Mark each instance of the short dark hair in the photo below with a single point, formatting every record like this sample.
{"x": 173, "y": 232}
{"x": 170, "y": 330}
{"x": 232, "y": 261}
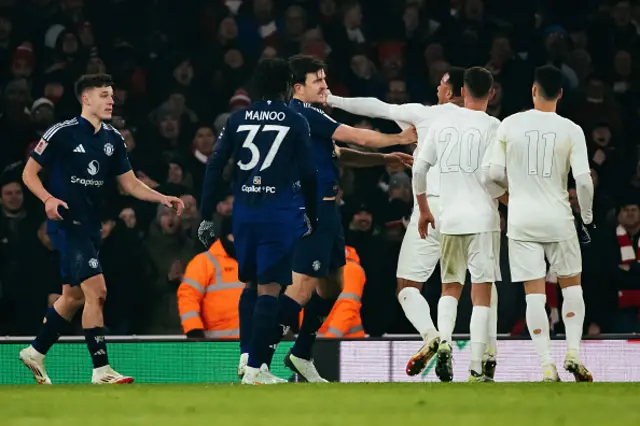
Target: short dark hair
{"x": 456, "y": 79}
{"x": 91, "y": 81}
{"x": 478, "y": 81}
{"x": 301, "y": 65}
{"x": 271, "y": 79}
{"x": 549, "y": 81}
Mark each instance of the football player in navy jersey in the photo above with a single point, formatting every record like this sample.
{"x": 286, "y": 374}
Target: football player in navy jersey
{"x": 273, "y": 161}
{"x": 318, "y": 261}
{"x": 81, "y": 154}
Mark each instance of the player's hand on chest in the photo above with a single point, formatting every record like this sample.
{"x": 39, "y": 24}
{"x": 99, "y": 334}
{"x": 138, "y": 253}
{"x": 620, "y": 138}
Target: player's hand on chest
{"x": 92, "y": 156}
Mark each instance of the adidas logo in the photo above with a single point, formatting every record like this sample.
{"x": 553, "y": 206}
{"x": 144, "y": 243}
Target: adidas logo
{"x": 80, "y": 148}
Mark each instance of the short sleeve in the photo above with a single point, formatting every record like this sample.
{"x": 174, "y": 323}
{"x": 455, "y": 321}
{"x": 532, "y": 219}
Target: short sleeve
{"x": 121, "y": 160}
{"x": 48, "y": 145}
{"x": 322, "y": 126}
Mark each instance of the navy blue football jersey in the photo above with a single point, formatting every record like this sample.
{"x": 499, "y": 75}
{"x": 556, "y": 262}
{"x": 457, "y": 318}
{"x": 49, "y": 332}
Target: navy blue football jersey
{"x": 270, "y": 146}
{"x": 322, "y": 128}
{"x": 79, "y": 161}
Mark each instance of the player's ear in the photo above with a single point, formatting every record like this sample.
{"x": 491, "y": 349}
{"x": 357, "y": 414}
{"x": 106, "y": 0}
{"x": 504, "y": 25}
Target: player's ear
{"x": 492, "y": 93}
{"x": 560, "y": 94}
{"x": 463, "y": 92}
{"x": 534, "y": 91}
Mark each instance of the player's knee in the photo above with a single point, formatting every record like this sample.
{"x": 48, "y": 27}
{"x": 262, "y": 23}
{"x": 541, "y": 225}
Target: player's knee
{"x": 331, "y": 286}
{"x": 404, "y": 283}
{"x": 481, "y": 294}
{"x": 302, "y": 288}
{"x": 452, "y": 289}
{"x": 95, "y": 290}
{"x": 71, "y": 301}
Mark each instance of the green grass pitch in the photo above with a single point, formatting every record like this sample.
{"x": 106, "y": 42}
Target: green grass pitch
{"x": 336, "y": 404}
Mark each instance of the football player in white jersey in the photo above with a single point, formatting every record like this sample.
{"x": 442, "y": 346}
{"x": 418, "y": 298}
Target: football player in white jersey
{"x": 469, "y": 222}
{"x": 532, "y": 156}
{"x": 418, "y": 257}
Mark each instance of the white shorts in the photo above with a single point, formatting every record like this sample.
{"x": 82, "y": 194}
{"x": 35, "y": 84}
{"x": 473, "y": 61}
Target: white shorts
{"x": 526, "y": 259}
{"x": 479, "y": 253}
{"x": 418, "y": 258}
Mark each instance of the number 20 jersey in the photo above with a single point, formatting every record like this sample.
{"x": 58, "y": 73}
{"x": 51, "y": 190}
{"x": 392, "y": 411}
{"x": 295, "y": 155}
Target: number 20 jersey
{"x": 271, "y": 150}
{"x": 458, "y": 142}
{"x": 538, "y": 148}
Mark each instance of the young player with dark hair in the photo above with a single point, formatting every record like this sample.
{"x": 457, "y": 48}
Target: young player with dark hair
{"x": 271, "y": 150}
{"x": 532, "y": 156}
{"x": 318, "y": 261}
{"x": 81, "y": 153}
{"x": 469, "y": 222}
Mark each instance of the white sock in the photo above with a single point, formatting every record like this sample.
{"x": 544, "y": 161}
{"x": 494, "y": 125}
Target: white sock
{"x": 492, "y": 341}
{"x": 447, "y": 313}
{"x": 573, "y": 317}
{"x": 537, "y": 320}
{"x": 101, "y": 370}
{"x": 479, "y": 330}
{"x": 417, "y": 311}
{"x": 35, "y": 353}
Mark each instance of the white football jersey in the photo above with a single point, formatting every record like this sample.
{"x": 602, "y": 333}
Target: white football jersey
{"x": 538, "y": 148}
{"x": 457, "y": 142}
{"x": 423, "y": 117}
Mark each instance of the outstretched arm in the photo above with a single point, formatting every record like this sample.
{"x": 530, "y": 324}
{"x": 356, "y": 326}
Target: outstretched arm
{"x": 355, "y": 158}
{"x": 373, "y": 139}
{"x": 138, "y": 189}
{"x": 405, "y": 115}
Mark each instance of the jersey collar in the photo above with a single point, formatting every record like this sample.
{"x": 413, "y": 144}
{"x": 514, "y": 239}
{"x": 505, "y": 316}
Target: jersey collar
{"x": 86, "y": 126}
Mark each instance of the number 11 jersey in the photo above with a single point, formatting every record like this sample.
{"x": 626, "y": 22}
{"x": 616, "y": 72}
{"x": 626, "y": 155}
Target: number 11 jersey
{"x": 538, "y": 149}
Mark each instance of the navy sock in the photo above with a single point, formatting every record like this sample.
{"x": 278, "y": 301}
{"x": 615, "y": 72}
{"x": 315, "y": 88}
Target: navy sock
{"x": 288, "y": 312}
{"x": 50, "y": 332}
{"x": 315, "y": 312}
{"x": 97, "y": 346}
{"x": 265, "y": 321}
{"x": 246, "y": 308}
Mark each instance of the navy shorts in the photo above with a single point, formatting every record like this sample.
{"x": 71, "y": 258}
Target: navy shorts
{"x": 78, "y": 249}
{"x": 264, "y": 251}
{"x": 323, "y": 251}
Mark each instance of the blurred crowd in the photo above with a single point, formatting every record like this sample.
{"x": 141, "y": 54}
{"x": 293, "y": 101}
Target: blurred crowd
{"x": 180, "y": 68}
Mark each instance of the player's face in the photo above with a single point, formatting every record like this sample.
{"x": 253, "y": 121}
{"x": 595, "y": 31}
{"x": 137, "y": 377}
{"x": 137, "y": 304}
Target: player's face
{"x": 99, "y": 101}
{"x": 315, "y": 88}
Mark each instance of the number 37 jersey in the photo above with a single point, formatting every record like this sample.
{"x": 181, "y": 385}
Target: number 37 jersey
{"x": 538, "y": 149}
{"x": 458, "y": 142}
{"x": 269, "y": 145}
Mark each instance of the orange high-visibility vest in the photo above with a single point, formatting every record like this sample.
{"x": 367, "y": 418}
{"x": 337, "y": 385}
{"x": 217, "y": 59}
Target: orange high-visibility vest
{"x": 209, "y": 294}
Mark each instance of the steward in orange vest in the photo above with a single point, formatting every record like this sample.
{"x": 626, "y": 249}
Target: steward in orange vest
{"x": 209, "y": 293}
